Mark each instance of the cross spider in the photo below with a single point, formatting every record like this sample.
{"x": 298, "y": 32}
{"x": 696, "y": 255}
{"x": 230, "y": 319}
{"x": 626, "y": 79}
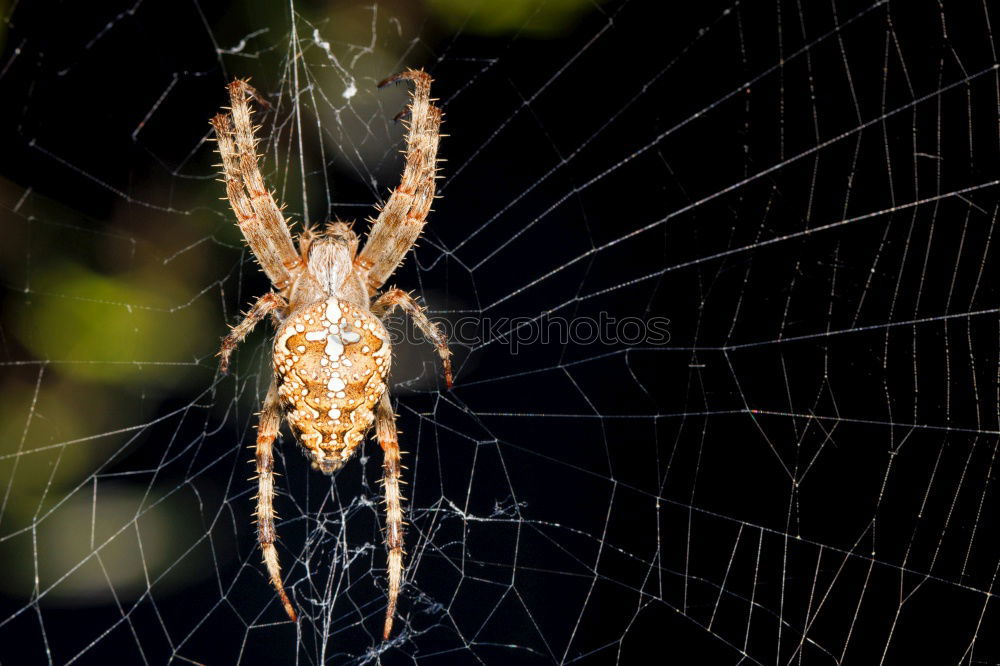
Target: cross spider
{"x": 331, "y": 351}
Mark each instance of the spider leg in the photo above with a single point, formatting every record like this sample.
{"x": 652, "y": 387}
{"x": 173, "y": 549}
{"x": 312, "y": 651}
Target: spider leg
{"x": 399, "y": 298}
{"x": 258, "y": 215}
{"x": 404, "y": 214}
{"x": 385, "y": 428}
{"x": 265, "y": 305}
{"x": 267, "y": 431}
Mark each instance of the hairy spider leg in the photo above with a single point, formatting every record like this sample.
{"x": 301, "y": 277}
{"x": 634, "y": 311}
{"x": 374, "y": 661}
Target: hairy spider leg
{"x": 258, "y": 215}
{"x": 265, "y": 305}
{"x": 402, "y": 217}
{"x": 385, "y": 428}
{"x": 394, "y": 298}
{"x": 267, "y": 431}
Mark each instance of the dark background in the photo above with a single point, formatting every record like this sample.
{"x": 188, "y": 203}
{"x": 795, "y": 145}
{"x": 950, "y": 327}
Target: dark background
{"x": 802, "y": 474}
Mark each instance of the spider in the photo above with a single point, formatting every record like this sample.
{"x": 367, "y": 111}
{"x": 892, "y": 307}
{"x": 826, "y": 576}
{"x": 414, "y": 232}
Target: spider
{"x": 331, "y": 351}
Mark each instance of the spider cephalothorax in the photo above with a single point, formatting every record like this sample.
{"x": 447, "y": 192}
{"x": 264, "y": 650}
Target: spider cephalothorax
{"x": 331, "y": 352}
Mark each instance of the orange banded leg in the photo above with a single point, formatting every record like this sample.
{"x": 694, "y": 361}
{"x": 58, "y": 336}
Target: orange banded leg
{"x": 385, "y": 427}
{"x": 402, "y": 217}
{"x": 268, "y": 214}
{"x": 267, "y": 431}
{"x": 264, "y": 306}
{"x": 265, "y": 231}
{"x": 399, "y": 298}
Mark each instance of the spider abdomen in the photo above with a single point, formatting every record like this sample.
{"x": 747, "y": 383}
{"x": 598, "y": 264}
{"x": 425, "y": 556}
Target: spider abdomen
{"x": 331, "y": 360}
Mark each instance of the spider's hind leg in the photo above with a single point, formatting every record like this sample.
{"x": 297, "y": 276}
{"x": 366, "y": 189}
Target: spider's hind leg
{"x": 385, "y": 428}
{"x": 267, "y": 431}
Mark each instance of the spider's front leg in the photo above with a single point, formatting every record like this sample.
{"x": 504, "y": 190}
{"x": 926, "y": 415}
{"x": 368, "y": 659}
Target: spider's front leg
{"x": 257, "y": 214}
{"x": 399, "y": 298}
{"x": 265, "y": 305}
{"x": 385, "y": 428}
{"x": 404, "y": 214}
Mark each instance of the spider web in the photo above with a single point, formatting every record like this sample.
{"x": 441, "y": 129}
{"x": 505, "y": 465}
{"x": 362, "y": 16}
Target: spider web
{"x": 800, "y": 471}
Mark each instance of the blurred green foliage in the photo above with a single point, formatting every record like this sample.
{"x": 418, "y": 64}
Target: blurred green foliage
{"x": 94, "y": 542}
{"x": 534, "y": 18}
{"x": 114, "y": 329}
{"x": 101, "y": 320}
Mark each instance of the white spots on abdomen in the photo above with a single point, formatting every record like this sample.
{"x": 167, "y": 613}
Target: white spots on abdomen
{"x": 333, "y": 313}
{"x": 334, "y": 347}
{"x": 328, "y": 407}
